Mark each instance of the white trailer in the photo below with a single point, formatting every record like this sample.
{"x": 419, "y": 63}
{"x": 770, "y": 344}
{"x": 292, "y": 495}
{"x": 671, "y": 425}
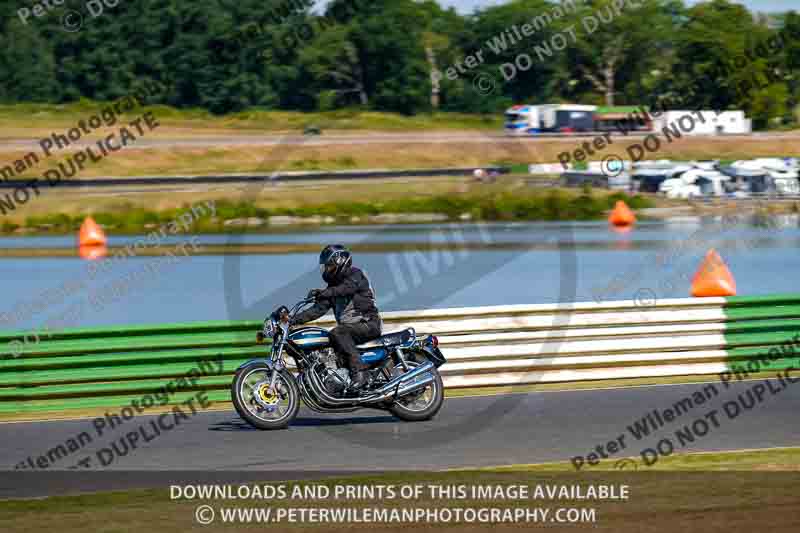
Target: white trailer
{"x": 704, "y": 122}
{"x": 567, "y": 117}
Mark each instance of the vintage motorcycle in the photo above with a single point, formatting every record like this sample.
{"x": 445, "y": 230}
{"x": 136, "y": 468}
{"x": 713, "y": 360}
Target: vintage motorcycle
{"x": 402, "y": 370}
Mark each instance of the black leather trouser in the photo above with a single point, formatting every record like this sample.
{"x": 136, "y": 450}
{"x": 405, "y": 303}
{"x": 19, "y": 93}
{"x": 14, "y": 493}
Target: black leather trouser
{"x": 344, "y": 339}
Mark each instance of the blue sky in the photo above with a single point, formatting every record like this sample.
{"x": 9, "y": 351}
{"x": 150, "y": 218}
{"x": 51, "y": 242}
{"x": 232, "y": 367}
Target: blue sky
{"x": 466, "y": 6}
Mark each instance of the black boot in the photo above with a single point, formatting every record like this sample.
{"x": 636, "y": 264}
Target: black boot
{"x": 358, "y": 379}
{"x": 358, "y": 376}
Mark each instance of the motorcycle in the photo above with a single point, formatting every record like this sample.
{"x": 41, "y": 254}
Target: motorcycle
{"x": 401, "y": 368}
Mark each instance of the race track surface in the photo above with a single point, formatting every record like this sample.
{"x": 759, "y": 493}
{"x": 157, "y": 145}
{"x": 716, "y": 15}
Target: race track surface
{"x": 472, "y": 431}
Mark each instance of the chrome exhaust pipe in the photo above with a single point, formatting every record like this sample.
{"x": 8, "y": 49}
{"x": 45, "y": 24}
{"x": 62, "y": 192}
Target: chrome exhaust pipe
{"x": 314, "y": 403}
{"x": 319, "y": 390}
{"x": 404, "y": 389}
{"x": 403, "y": 379}
{"x": 399, "y": 386}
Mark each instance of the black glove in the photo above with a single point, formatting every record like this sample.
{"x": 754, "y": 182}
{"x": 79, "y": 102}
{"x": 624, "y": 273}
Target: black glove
{"x": 279, "y": 313}
{"x": 314, "y": 294}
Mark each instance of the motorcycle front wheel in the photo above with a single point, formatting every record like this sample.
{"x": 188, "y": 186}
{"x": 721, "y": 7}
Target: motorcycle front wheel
{"x": 259, "y": 406}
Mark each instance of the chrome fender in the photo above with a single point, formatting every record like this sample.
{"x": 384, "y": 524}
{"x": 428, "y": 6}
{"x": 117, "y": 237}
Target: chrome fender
{"x": 254, "y": 362}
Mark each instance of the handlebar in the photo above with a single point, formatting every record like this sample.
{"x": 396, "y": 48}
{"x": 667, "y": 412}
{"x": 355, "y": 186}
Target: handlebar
{"x": 299, "y": 305}
{"x": 288, "y": 313}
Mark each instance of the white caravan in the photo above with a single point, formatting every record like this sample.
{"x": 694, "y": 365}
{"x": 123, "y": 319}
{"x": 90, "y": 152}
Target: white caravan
{"x": 784, "y": 173}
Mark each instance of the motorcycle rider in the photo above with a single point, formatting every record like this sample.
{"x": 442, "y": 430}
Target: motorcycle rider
{"x": 350, "y": 294}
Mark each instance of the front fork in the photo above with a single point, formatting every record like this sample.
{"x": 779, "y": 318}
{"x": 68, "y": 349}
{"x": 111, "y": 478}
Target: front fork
{"x": 277, "y": 361}
{"x": 272, "y": 378}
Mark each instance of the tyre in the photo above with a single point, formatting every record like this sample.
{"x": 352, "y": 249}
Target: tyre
{"x": 258, "y": 406}
{"x": 423, "y": 404}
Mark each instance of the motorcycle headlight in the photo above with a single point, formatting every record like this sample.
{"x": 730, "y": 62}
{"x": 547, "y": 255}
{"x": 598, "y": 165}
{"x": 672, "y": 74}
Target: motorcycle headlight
{"x": 267, "y": 332}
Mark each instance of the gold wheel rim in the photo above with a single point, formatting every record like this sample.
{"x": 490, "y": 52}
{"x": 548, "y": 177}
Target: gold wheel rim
{"x": 266, "y": 396}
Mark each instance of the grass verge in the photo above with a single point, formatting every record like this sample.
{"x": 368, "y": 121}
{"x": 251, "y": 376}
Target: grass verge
{"x": 773, "y": 459}
{"x": 507, "y": 200}
{"x": 170, "y": 159}
{"x": 40, "y": 120}
{"x": 676, "y": 500}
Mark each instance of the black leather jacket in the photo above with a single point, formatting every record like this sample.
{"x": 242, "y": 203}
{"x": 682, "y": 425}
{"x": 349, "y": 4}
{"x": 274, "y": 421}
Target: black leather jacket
{"x": 351, "y": 297}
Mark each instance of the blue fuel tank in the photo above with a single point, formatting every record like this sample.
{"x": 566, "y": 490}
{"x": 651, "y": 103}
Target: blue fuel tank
{"x": 310, "y": 338}
{"x": 314, "y": 338}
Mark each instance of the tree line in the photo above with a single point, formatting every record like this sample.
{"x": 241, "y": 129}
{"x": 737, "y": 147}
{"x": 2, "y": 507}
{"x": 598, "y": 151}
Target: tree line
{"x": 393, "y": 55}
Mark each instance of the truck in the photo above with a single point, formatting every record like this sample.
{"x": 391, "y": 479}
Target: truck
{"x": 549, "y": 118}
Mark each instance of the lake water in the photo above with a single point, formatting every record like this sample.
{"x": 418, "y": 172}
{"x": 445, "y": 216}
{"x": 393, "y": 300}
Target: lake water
{"x": 506, "y": 264}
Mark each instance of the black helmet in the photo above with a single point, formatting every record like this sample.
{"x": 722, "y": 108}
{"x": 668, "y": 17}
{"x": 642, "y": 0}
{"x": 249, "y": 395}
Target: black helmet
{"x": 334, "y": 259}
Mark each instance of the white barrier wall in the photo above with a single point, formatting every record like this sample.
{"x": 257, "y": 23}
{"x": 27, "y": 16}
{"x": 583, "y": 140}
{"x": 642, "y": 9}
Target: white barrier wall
{"x": 523, "y": 344}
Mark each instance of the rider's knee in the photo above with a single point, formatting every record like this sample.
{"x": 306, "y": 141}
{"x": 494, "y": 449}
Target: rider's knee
{"x": 337, "y": 334}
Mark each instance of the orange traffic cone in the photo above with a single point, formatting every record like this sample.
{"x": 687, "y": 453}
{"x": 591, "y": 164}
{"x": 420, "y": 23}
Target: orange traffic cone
{"x": 92, "y": 252}
{"x": 621, "y": 215}
{"x": 713, "y": 277}
{"x": 91, "y": 234}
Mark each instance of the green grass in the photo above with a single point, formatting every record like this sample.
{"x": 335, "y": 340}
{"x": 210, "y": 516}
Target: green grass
{"x": 738, "y": 460}
{"x": 32, "y": 116}
{"x": 488, "y": 206}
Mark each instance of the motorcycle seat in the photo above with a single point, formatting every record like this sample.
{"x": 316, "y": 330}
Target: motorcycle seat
{"x": 402, "y": 337}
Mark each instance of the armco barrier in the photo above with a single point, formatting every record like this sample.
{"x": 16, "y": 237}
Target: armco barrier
{"x": 485, "y": 346}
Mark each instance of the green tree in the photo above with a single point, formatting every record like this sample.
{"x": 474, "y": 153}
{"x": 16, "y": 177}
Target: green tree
{"x": 790, "y": 62}
{"x": 617, "y": 51}
{"x": 723, "y": 62}
{"x": 334, "y": 62}
{"x": 27, "y": 65}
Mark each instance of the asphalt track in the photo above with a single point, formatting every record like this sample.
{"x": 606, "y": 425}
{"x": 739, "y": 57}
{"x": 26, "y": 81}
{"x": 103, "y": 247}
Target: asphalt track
{"x": 470, "y": 431}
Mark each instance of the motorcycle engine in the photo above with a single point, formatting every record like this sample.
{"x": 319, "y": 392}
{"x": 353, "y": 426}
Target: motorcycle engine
{"x": 334, "y": 378}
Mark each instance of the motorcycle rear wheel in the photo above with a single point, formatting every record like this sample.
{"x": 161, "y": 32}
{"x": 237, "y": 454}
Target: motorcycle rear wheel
{"x": 421, "y": 405}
